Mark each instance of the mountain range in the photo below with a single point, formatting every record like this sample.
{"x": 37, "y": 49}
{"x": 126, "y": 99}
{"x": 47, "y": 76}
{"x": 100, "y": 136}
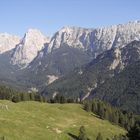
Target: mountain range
{"x": 74, "y": 62}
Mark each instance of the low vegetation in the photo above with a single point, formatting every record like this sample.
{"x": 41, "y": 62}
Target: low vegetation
{"x": 31, "y": 120}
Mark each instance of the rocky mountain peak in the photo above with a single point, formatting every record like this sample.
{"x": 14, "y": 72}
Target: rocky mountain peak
{"x": 8, "y": 42}
{"x": 96, "y": 40}
{"x": 75, "y": 37}
{"x": 34, "y": 34}
{"x": 32, "y": 42}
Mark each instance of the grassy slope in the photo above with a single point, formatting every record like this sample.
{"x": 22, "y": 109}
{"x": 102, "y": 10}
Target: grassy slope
{"x": 41, "y": 121}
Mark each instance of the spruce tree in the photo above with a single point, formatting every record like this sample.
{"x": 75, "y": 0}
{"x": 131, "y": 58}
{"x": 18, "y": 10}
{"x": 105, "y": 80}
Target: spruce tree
{"x": 23, "y": 97}
{"x": 16, "y": 98}
{"x": 94, "y": 107}
{"x": 57, "y": 99}
{"x": 82, "y": 134}
{"x": 134, "y": 133}
{"x": 40, "y": 98}
{"x": 87, "y": 107}
{"x": 44, "y": 99}
{"x": 101, "y": 110}
{"x": 32, "y": 96}
{"x": 62, "y": 99}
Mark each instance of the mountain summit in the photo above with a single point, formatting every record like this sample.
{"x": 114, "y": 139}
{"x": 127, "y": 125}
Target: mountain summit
{"x": 8, "y": 42}
{"x": 96, "y": 40}
{"x": 32, "y": 42}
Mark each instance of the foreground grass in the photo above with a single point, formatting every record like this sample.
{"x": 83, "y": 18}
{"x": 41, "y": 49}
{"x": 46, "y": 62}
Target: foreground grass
{"x": 42, "y": 121}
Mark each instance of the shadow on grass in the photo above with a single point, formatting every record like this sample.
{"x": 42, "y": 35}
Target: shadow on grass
{"x": 92, "y": 114}
{"x": 73, "y": 136}
{"x": 96, "y": 116}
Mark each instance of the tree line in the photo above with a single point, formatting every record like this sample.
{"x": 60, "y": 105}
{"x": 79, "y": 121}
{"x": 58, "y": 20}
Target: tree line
{"x": 132, "y": 134}
{"x": 7, "y": 93}
{"x": 62, "y": 99}
{"x": 113, "y": 114}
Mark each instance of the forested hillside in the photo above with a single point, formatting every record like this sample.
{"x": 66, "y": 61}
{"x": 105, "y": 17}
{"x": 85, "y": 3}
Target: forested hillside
{"x": 123, "y": 90}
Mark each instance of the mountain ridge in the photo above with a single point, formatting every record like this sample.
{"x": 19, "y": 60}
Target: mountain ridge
{"x": 87, "y": 44}
{"x": 32, "y": 42}
{"x": 92, "y": 40}
{"x": 40, "y": 62}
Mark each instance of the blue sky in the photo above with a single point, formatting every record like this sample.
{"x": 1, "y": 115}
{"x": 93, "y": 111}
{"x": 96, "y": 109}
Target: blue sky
{"x": 16, "y": 16}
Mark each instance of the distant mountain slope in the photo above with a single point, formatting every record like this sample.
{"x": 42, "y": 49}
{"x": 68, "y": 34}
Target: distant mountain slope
{"x": 11, "y": 75}
{"x": 82, "y": 82}
{"x": 42, "y": 121}
{"x": 123, "y": 89}
{"x": 16, "y": 54}
{"x": 55, "y": 64}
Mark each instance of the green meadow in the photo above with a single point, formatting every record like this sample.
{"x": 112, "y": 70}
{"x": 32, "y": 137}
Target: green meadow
{"x": 43, "y": 121}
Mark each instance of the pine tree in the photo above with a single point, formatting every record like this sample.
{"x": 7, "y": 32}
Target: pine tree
{"x": 32, "y": 96}
{"x": 134, "y": 133}
{"x": 44, "y": 99}
{"x": 106, "y": 115}
{"x": 24, "y": 97}
{"x": 87, "y": 107}
{"x": 57, "y": 99}
{"x": 40, "y": 98}
{"x": 16, "y": 98}
{"x": 94, "y": 107}
{"x": 82, "y": 134}
{"x": 101, "y": 110}
{"x": 62, "y": 99}
{"x": 115, "y": 117}
{"x": 121, "y": 119}
{"x": 70, "y": 100}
